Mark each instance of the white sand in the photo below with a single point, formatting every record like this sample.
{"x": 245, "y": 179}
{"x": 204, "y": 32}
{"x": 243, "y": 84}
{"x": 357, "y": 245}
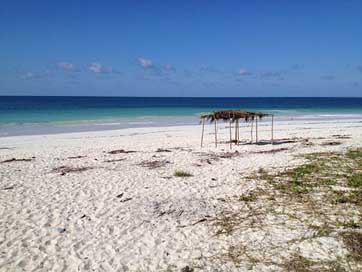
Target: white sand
{"x": 76, "y": 222}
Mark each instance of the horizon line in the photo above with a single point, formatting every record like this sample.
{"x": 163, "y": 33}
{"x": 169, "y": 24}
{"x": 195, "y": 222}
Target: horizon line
{"x": 96, "y": 96}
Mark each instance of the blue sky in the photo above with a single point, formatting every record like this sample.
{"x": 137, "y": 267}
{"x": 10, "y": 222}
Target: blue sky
{"x": 181, "y": 48}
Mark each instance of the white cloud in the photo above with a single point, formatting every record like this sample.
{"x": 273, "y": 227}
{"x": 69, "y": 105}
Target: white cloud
{"x": 28, "y": 75}
{"x": 95, "y": 67}
{"x": 98, "y": 68}
{"x": 243, "y": 72}
{"x": 66, "y": 66}
{"x": 145, "y": 63}
{"x": 36, "y": 75}
{"x": 170, "y": 68}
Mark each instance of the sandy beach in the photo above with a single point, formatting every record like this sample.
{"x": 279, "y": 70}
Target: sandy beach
{"x": 119, "y": 201}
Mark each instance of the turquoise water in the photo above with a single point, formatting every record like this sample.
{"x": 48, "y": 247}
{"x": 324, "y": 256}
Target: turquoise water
{"x": 91, "y": 115}
{"x": 35, "y": 110}
{"x": 35, "y": 115}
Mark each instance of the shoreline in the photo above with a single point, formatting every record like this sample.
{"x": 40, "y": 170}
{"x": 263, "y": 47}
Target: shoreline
{"x": 9, "y": 130}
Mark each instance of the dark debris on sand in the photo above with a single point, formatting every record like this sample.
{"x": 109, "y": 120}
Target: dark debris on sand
{"x": 331, "y": 143}
{"x": 163, "y": 150}
{"x": 17, "y": 160}
{"x": 69, "y": 169}
{"x": 76, "y": 157}
{"x": 344, "y": 136}
{"x": 154, "y": 164}
{"x": 8, "y": 188}
{"x": 121, "y": 151}
{"x": 116, "y": 160}
{"x": 210, "y": 157}
{"x": 272, "y": 151}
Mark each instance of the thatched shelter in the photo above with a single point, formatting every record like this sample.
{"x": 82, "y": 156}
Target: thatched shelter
{"x": 234, "y": 116}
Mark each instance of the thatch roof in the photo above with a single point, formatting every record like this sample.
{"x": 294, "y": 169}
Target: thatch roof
{"x": 226, "y": 115}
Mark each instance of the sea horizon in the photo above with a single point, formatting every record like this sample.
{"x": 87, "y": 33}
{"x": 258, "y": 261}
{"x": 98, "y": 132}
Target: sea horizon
{"x": 181, "y": 136}
{"x": 24, "y": 115}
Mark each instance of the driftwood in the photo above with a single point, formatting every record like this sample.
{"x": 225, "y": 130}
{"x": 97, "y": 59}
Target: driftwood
{"x": 116, "y": 160}
{"x": 272, "y": 151}
{"x": 338, "y": 136}
{"x": 126, "y": 199}
{"x": 69, "y": 169}
{"x": 76, "y": 157}
{"x": 154, "y": 164}
{"x": 17, "y": 160}
{"x": 121, "y": 151}
{"x": 163, "y": 150}
{"x": 199, "y": 221}
{"x": 9, "y": 188}
{"x": 331, "y": 143}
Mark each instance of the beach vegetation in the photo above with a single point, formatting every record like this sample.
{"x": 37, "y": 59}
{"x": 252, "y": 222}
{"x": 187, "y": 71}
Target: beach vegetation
{"x": 354, "y": 153}
{"x": 321, "y": 170}
{"x": 353, "y": 242}
{"x": 355, "y": 180}
{"x": 263, "y": 174}
{"x": 227, "y": 223}
{"x": 323, "y": 195}
{"x": 298, "y": 263}
{"x": 351, "y": 224}
{"x": 248, "y": 198}
{"x": 182, "y": 174}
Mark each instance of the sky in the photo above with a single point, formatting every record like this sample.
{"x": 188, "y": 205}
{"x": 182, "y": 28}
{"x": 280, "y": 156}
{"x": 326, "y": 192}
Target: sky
{"x": 181, "y": 48}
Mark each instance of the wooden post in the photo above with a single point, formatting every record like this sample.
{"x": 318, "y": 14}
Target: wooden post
{"x": 256, "y": 130}
{"x": 215, "y": 133}
{"x": 272, "y": 132}
{"x": 202, "y": 134}
{"x": 230, "y": 132}
{"x": 251, "y": 132}
{"x": 236, "y": 131}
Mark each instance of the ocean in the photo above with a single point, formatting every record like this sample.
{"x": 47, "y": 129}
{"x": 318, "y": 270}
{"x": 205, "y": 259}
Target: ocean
{"x": 20, "y": 115}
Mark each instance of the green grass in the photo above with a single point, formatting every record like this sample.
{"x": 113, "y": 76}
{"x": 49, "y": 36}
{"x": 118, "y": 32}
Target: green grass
{"x": 341, "y": 198}
{"x": 248, "y": 198}
{"x": 292, "y": 187}
{"x": 306, "y": 169}
{"x": 351, "y": 224}
{"x": 182, "y": 174}
{"x": 322, "y": 230}
{"x": 354, "y": 153}
{"x": 329, "y": 182}
{"x": 307, "y": 194}
{"x": 354, "y": 197}
{"x": 263, "y": 174}
{"x": 355, "y": 180}
{"x": 299, "y": 180}
{"x": 322, "y": 170}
